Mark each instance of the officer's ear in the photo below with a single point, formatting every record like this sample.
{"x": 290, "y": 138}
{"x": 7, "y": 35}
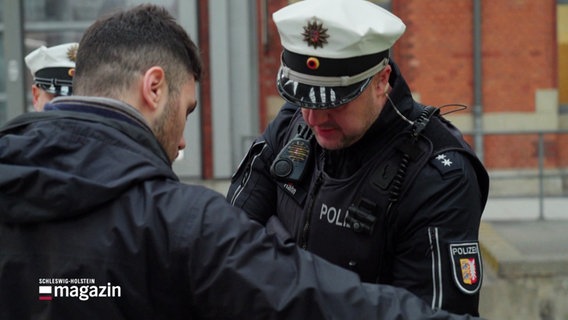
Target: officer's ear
{"x": 380, "y": 81}
{"x": 35, "y": 96}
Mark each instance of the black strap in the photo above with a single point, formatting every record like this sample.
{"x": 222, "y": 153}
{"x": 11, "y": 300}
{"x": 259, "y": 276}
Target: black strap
{"x": 377, "y": 199}
{"x": 391, "y": 176}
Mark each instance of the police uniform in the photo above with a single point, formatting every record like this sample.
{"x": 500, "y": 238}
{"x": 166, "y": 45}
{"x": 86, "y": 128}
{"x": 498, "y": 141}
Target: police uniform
{"x": 400, "y": 206}
{"x": 53, "y": 68}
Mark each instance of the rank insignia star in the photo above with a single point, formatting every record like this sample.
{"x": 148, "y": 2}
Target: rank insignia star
{"x": 444, "y": 160}
{"x": 315, "y": 34}
{"x": 448, "y": 163}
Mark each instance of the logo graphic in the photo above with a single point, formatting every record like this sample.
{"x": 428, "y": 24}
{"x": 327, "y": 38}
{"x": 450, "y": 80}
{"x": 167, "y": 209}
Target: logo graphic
{"x": 82, "y": 289}
{"x": 45, "y": 293}
{"x": 466, "y": 266}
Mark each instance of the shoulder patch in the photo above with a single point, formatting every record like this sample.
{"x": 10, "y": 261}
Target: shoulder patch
{"x": 466, "y": 266}
{"x": 448, "y": 163}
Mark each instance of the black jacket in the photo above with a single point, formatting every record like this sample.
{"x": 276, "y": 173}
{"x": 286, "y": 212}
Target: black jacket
{"x": 94, "y": 224}
{"x": 395, "y": 208}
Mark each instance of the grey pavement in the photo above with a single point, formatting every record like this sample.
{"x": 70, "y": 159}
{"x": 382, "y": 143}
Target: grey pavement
{"x": 526, "y": 208}
{"x": 525, "y": 269}
{"x": 523, "y": 236}
{"x": 538, "y": 239}
{"x": 524, "y": 247}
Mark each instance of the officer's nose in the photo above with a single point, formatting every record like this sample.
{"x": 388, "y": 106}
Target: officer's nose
{"x": 314, "y": 117}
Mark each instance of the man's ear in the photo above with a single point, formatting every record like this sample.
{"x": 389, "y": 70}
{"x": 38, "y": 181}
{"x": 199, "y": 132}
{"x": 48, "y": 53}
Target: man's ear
{"x": 154, "y": 87}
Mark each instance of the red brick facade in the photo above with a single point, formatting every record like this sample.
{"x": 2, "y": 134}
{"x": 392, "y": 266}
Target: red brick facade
{"x": 436, "y": 57}
{"x": 518, "y": 51}
{"x": 269, "y": 58}
{"x": 519, "y": 59}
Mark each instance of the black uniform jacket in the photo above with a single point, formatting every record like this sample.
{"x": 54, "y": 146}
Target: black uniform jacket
{"x": 94, "y": 224}
{"x": 421, "y": 200}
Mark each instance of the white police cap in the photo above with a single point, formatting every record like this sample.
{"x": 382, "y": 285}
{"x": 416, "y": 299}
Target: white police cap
{"x": 332, "y": 48}
{"x": 53, "y": 68}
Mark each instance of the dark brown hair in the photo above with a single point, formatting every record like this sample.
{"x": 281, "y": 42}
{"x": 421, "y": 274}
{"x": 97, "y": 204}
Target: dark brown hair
{"x": 116, "y": 49}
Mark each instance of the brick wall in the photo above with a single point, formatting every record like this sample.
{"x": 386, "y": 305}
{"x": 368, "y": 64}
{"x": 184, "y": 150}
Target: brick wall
{"x": 519, "y": 58}
{"x": 518, "y": 51}
{"x": 435, "y": 54}
{"x": 269, "y": 60}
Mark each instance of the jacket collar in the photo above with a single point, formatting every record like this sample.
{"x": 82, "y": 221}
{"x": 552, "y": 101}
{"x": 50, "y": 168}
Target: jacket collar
{"x": 106, "y": 107}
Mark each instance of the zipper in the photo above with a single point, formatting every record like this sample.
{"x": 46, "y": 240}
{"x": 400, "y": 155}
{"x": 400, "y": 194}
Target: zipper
{"x": 241, "y": 185}
{"x": 310, "y": 207}
{"x": 246, "y": 174}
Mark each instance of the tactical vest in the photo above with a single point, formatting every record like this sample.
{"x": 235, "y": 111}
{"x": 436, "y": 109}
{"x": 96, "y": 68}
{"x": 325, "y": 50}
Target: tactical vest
{"x": 353, "y": 217}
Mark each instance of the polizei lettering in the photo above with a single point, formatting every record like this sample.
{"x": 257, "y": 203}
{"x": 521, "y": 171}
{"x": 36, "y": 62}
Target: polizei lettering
{"x": 464, "y": 250}
{"x": 334, "y": 216}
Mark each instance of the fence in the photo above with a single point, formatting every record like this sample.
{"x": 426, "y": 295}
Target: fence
{"x": 527, "y": 164}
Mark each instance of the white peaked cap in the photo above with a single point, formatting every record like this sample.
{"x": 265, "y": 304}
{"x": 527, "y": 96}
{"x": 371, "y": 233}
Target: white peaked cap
{"x": 60, "y": 56}
{"x": 332, "y": 48}
{"x": 353, "y": 27}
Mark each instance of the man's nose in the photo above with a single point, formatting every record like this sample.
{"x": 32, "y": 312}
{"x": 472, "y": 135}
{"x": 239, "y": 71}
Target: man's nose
{"x": 181, "y": 144}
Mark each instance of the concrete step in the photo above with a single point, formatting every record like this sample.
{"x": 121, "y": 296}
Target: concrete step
{"x": 525, "y": 270}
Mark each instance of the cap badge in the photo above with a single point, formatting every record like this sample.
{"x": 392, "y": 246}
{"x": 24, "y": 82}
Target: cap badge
{"x": 313, "y": 63}
{"x": 315, "y": 34}
{"x": 72, "y": 53}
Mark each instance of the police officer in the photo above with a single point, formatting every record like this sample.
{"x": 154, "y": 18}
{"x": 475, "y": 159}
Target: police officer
{"x": 356, "y": 171}
{"x": 52, "y": 69}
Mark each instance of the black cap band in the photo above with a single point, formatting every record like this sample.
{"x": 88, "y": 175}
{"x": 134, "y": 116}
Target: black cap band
{"x": 57, "y": 81}
{"x": 332, "y": 67}
{"x": 54, "y": 76}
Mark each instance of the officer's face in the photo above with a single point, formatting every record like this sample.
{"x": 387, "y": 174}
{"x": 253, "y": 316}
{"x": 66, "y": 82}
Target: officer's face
{"x": 341, "y": 127}
{"x": 171, "y": 123}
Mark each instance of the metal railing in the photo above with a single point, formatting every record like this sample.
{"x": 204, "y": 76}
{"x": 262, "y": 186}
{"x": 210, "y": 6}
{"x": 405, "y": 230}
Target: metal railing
{"x": 541, "y": 155}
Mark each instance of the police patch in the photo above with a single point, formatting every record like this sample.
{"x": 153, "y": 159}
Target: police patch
{"x": 466, "y": 266}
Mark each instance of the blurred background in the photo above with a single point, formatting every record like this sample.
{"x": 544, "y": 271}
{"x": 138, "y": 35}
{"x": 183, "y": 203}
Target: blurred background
{"x": 506, "y": 60}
